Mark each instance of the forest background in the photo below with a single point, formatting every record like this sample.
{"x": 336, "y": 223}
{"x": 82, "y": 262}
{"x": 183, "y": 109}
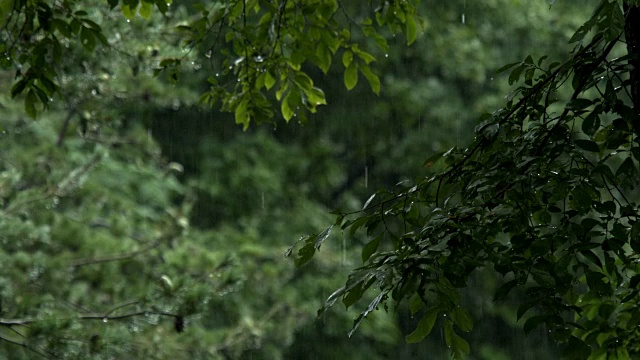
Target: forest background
{"x": 136, "y": 219}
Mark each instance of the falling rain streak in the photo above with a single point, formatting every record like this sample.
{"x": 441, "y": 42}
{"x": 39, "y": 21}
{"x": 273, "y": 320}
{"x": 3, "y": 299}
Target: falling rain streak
{"x": 464, "y": 9}
{"x": 366, "y": 177}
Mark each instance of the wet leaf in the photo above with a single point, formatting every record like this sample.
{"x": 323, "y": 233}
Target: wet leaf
{"x": 351, "y": 76}
{"x": 587, "y": 145}
{"x": 370, "y": 248}
{"x": 425, "y": 325}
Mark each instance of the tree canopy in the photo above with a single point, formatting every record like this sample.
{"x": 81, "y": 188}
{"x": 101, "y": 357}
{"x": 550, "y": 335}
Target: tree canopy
{"x": 543, "y": 196}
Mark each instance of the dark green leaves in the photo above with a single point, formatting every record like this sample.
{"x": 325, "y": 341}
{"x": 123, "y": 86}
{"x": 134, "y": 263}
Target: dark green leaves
{"x": 370, "y": 248}
{"x": 587, "y": 145}
{"x": 576, "y": 349}
{"x": 425, "y": 325}
{"x": 457, "y": 344}
{"x": 311, "y": 243}
{"x": 591, "y": 123}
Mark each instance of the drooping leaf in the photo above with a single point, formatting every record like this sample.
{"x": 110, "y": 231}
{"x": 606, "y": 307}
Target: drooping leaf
{"x": 425, "y": 325}
{"x": 462, "y": 319}
{"x": 370, "y": 248}
{"x": 351, "y": 76}
{"x": 587, "y": 145}
{"x": 373, "y": 305}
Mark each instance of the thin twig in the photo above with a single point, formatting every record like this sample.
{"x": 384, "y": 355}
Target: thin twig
{"x": 117, "y": 257}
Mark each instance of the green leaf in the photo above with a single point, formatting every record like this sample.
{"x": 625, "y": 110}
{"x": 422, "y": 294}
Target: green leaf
{"x": 622, "y": 354}
{"x": 587, "y": 145}
{"x": 87, "y": 38}
{"x": 351, "y": 76}
{"x": 433, "y": 159}
{"x": 305, "y": 254}
{"x": 303, "y": 81}
{"x": 320, "y": 238}
{"x": 372, "y": 306}
{"x": 457, "y": 344}
{"x": 515, "y": 74}
{"x": 145, "y": 10}
{"x": 635, "y": 238}
{"x": 424, "y": 326}
{"x": 30, "y": 104}
{"x": 504, "y": 290}
{"x": 534, "y": 322}
{"x": 462, "y": 319}
{"x": 242, "y": 114}
{"x": 163, "y": 5}
{"x": 576, "y": 349}
{"x": 526, "y": 306}
{"x": 416, "y": 304}
{"x": 373, "y": 79}
{"x": 19, "y": 87}
{"x": 129, "y": 11}
{"x": 370, "y": 248}
{"x": 581, "y": 199}
{"x": 411, "y": 30}
{"x": 591, "y": 123}
{"x": 323, "y": 57}
{"x": 315, "y": 96}
{"x": 347, "y": 58}
{"x": 287, "y": 112}
{"x": 596, "y": 283}
{"x": 627, "y": 168}
{"x": 579, "y": 104}
{"x": 589, "y": 254}
{"x": 507, "y": 67}
{"x": 269, "y": 80}
{"x": 353, "y": 295}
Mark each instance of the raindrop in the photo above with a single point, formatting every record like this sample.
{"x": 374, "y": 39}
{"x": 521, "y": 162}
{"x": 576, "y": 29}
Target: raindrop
{"x": 105, "y": 319}
{"x": 386, "y": 55}
{"x": 217, "y": 75}
{"x": 128, "y": 20}
{"x": 258, "y": 59}
{"x": 208, "y": 54}
{"x": 263, "y": 200}
{"x": 463, "y": 19}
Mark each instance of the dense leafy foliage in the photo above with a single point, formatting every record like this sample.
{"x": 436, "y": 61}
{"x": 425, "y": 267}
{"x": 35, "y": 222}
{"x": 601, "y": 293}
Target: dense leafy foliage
{"x": 544, "y": 195}
{"x": 124, "y": 202}
{"x": 263, "y": 51}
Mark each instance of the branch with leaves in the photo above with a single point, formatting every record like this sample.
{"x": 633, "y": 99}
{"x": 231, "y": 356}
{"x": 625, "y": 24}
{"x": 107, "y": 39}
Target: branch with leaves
{"x": 535, "y": 197}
